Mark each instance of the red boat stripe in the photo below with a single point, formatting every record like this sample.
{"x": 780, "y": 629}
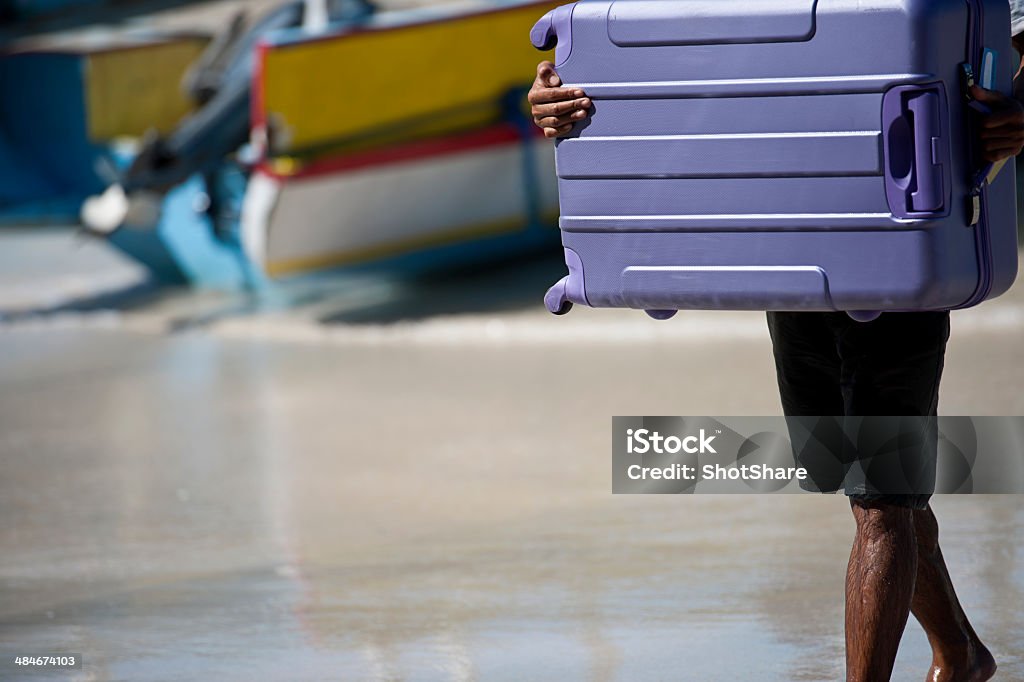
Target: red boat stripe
{"x": 502, "y": 134}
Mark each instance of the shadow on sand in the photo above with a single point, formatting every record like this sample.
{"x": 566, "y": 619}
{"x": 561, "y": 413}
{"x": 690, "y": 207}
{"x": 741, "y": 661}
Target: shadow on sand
{"x": 515, "y": 284}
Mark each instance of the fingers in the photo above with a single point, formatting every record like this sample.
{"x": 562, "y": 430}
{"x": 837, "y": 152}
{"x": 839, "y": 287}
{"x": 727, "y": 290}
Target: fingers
{"x": 547, "y": 76}
{"x": 1000, "y": 143}
{"x": 984, "y": 95}
{"x": 560, "y": 108}
{"x": 555, "y": 132}
{"x": 997, "y": 155}
{"x": 999, "y": 151}
{"x": 1003, "y": 140}
{"x": 549, "y": 95}
{"x": 1005, "y": 136}
{"x": 1002, "y": 130}
{"x": 1010, "y": 117}
{"x": 558, "y": 121}
{"x": 558, "y": 118}
{"x": 555, "y": 108}
{"x": 1006, "y": 112}
{"x": 553, "y": 126}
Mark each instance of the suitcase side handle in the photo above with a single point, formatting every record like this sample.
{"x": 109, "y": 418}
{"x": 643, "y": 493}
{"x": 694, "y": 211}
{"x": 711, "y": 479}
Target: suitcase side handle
{"x": 916, "y": 150}
{"x": 924, "y": 109}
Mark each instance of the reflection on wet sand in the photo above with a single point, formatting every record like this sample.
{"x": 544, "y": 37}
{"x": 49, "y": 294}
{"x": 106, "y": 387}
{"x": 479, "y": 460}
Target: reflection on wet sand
{"x": 192, "y": 508}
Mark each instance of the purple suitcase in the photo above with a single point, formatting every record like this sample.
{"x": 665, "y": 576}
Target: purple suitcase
{"x": 780, "y": 155}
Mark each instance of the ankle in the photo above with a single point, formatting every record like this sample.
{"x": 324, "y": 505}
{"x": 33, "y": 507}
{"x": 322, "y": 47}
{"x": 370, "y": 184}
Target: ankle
{"x": 954, "y": 647}
{"x": 977, "y": 666}
{"x": 959, "y": 654}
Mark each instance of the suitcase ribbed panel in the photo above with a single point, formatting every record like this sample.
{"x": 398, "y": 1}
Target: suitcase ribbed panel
{"x": 722, "y": 155}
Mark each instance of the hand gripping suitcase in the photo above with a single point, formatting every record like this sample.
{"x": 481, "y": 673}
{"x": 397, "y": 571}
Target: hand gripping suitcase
{"x": 781, "y": 155}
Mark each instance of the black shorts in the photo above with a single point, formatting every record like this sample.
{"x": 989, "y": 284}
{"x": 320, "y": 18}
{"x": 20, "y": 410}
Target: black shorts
{"x": 833, "y": 370}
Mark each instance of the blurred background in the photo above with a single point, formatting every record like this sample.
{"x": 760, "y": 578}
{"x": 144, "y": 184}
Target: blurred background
{"x": 279, "y": 399}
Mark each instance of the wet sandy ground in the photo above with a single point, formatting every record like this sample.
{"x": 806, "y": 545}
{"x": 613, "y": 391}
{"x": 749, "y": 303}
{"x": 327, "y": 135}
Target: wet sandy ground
{"x": 387, "y": 481}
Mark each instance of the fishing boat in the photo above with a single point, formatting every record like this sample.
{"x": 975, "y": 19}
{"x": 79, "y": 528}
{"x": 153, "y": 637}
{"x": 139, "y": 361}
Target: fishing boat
{"x": 68, "y": 98}
{"x": 403, "y": 139}
{"x": 397, "y": 140}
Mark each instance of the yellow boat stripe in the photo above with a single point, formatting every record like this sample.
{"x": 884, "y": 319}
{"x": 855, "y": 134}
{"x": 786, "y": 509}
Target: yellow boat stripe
{"x": 320, "y": 91}
{"x": 132, "y": 89}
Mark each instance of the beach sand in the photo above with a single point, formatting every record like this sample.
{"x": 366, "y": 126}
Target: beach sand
{"x": 381, "y": 481}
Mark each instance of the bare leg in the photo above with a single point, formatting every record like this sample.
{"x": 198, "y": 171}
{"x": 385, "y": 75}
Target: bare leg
{"x": 957, "y": 653}
{"x": 879, "y": 588}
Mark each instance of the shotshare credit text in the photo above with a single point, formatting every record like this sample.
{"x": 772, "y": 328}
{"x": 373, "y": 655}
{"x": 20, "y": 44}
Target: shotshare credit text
{"x": 642, "y": 441}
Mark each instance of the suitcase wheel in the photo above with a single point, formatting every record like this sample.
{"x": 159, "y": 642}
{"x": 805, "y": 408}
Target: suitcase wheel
{"x": 661, "y": 314}
{"x": 556, "y": 300}
{"x": 864, "y": 315}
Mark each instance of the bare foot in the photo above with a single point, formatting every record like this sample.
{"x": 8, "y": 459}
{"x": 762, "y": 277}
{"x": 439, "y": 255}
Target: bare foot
{"x": 978, "y": 668}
